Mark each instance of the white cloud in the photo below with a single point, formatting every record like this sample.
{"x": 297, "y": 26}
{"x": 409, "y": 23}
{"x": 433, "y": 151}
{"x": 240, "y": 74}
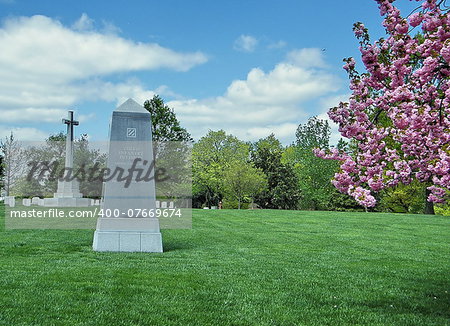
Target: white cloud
{"x": 85, "y": 117}
{"x": 245, "y": 43}
{"x": 84, "y": 23}
{"x": 46, "y": 67}
{"x": 22, "y": 134}
{"x": 283, "y": 131}
{"x": 277, "y": 45}
{"x": 326, "y": 104}
{"x": 309, "y": 57}
{"x": 33, "y": 115}
{"x": 110, "y": 28}
{"x": 40, "y": 45}
{"x": 265, "y": 102}
{"x": 138, "y": 94}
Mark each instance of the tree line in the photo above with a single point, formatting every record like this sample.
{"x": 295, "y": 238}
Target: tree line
{"x": 233, "y": 173}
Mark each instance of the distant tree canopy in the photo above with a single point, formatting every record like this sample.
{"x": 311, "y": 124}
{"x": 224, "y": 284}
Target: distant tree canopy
{"x": 314, "y": 173}
{"x": 165, "y": 125}
{"x": 211, "y": 156}
{"x": 283, "y": 190}
{"x": 12, "y": 162}
{"x": 2, "y": 170}
{"x": 52, "y": 154}
{"x": 242, "y": 180}
{"x": 315, "y": 133}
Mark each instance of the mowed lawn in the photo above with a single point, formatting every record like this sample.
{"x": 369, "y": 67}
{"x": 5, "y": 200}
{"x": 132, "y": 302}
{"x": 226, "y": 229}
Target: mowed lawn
{"x": 237, "y": 268}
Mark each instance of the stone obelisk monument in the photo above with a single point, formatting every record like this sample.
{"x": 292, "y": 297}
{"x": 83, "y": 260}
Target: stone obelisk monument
{"x": 68, "y": 191}
{"x": 127, "y": 222}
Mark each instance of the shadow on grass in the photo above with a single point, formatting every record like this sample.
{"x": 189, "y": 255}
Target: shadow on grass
{"x": 176, "y": 245}
{"x": 428, "y": 298}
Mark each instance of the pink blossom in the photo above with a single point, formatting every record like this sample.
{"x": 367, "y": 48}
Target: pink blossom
{"x": 399, "y": 112}
{"x": 350, "y": 64}
{"x": 445, "y": 52}
{"x": 431, "y": 24}
{"x": 362, "y": 196}
{"x": 359, "y": 29}
{"x": 437, "y": 194}
{"x": 376, "y": 184}
{"x": 401, "y": 28}
{"x": 415, "y": 19}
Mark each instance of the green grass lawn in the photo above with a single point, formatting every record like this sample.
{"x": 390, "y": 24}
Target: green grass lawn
{"x": 236, "y": 268}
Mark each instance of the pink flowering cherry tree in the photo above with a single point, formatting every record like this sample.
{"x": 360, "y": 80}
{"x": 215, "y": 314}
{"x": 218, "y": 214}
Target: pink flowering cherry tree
{"x": 398, "y": 114}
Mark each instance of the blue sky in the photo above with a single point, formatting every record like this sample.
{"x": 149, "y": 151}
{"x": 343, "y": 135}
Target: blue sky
{"x": 248, "y": 67}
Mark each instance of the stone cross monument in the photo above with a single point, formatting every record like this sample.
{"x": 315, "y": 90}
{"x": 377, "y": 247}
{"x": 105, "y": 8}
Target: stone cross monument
{"x": 128, "y": 212}
{"x": 69, "y": 189}
{"x": 69, "y": 139}
{"x": 68, "y": 193}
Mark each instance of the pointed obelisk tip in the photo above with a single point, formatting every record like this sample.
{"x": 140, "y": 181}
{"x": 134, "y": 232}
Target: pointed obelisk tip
{"x": 130, "y": 105}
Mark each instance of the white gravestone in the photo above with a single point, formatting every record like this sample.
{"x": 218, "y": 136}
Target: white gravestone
{"x": 26, "y": 202}
{"x": 11, "y": 201}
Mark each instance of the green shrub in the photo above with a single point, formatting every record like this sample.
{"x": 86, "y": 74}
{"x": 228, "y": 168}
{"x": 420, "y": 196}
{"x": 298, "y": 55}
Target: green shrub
{"x": 233, "y": 204}
{"x": 442, "y": 210}
{"x": 403, "y": 199}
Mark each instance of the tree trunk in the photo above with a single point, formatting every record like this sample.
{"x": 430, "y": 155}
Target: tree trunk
{"x": 429, "y": 206}
{"x": 8, "y": 181}
{"x": 239, "y": 203}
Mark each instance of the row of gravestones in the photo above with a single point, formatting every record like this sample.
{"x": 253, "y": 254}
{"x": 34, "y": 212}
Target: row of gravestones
{"x": 11, "y": 202}
{"x": 164, "y": 204}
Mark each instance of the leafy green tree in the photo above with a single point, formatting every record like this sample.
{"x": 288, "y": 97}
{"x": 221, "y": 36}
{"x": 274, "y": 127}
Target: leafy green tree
{"x": 242, "y": 179}
{"x": 86, "y": 158}
{"x": 2, "y": 171}
{"x": 443, "y": 209}
{"x": 283, "y": 185}
{"x": 175, "y": 159}
{"x": 13, "y": 162}
{"x": 343, "y": 202}
{"x": 314, "y": 173}
{"x": 52, "y": 153}
{"x": 172, "y": 149}
{"x": 29, "y": 188}
{"x": 403, "y": 198}
{"x": 315, "y": 133}
{"x": 165, "y": 125}
{"x": 211, "y": 155}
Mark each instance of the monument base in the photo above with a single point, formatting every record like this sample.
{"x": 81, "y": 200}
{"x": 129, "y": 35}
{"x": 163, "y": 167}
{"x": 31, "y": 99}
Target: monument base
{"x": 67, "y": 202}
{"x": 127, "y": 241}
{"x": 128, "y": 235}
